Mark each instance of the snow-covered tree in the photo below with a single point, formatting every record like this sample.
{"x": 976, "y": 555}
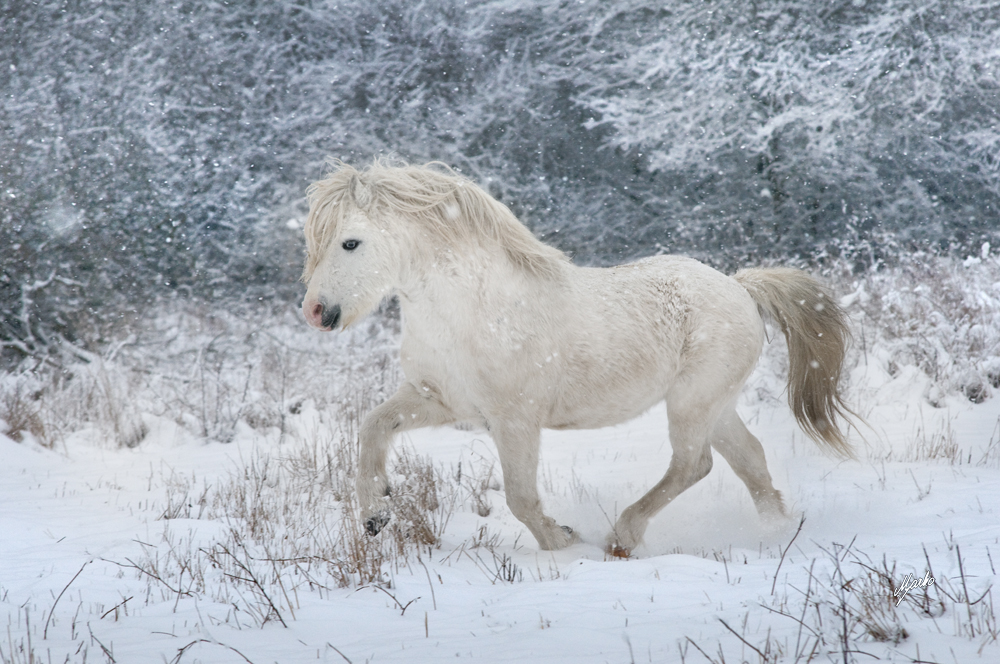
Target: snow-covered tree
{"x": 162, "y": 148}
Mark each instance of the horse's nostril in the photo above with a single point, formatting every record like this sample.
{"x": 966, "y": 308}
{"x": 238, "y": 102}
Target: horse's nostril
{"x": 317, "y": 310}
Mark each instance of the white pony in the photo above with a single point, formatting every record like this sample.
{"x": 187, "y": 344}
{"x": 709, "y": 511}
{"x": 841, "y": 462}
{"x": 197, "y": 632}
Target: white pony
{"x": 502, "y": 330}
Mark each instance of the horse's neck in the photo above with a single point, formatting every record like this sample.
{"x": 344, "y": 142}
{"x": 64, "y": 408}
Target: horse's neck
{"x": 458, "y": 288}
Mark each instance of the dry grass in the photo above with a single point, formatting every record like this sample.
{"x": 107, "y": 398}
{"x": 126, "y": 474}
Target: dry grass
{"x": 99, "y": 395}
{"x": 291, "y": 525}
{"x": 21, "y": 413}
{"x": 850, "y": 602}
{"x": 207, "y": 370}
{"x": 939, "y": 314}
{"x": 941, "y": 444}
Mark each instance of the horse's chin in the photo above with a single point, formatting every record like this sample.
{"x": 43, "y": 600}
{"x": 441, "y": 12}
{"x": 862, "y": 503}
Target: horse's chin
{"x": 347, "y": 321}
{"x": 319, "y": 328}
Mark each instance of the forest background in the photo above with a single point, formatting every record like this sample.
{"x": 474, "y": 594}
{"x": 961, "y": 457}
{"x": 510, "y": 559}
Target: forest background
{"x": 160, "y": 150}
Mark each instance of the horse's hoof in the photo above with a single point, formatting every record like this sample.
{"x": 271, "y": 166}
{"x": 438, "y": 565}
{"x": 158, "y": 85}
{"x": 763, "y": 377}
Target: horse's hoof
{"x": 619, "y": 551}
{"x": 375, "y": 523}
{"x": 573, "y": 537}
{"x": 558, "y": 538}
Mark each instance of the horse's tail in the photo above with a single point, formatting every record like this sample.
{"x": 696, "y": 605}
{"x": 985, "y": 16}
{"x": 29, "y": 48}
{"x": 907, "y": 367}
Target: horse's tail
{"x": 816, "y": 330}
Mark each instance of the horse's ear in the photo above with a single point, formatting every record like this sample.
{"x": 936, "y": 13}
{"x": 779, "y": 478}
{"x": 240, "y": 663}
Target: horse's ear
{"x": 361, "y": 192}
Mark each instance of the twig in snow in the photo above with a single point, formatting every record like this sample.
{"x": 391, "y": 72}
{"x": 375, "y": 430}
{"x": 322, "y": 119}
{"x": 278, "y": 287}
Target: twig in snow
{"x": 429, "y": 582}
{"x": 346, "y": 658}
{"x": 402, "y": 607}
{"x": 250, "y": 577}
{"x": 45, "y": 630}
{"x": 700, "y": 650}
{"x": 763, "y": 657}
{"x": 107, "y": 653}
{"x": 116, "y": 606}
{"x": 797, "y": 531}
{"x": 181, "y": 651}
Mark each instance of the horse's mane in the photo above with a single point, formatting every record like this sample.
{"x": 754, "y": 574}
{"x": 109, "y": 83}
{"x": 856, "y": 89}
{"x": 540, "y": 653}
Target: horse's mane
{"x": 449, "y": 205}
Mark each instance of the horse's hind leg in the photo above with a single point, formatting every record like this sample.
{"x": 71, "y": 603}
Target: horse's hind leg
{"x": 406, "y": 409}
{"x": 517, "y": 446}
{"x": 691, "y": 421}
{"x": 743, "y": 452}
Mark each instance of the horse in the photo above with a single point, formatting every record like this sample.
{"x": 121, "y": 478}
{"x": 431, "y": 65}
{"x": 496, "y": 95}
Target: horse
{"x": 502, "y": 331}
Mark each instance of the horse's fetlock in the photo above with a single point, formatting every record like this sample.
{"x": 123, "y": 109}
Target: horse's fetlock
{"x": 628, "y": 531}
{"x": 523, "y": 509}
{"x": 373, "y": 492}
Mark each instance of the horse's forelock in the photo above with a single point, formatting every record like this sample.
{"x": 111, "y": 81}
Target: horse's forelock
{"x": 325, "y": 214}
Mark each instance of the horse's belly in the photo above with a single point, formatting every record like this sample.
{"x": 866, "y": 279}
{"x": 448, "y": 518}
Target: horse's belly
{"x": 586, "y": 404}
{"x": 615, "y": 413}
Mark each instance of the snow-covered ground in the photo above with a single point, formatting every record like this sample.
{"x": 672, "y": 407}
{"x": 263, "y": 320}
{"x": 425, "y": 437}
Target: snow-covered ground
{"x": 183, "y": 549}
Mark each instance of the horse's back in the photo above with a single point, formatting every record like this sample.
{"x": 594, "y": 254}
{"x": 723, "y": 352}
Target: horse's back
{"x": 633, "y": 330}
{"x": 669, "y": 295}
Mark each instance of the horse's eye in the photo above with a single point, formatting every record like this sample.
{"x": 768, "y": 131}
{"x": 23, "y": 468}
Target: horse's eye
{"x": 351, "y": 245}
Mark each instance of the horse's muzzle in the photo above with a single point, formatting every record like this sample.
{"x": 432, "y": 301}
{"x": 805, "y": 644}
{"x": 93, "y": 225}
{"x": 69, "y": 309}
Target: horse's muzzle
{"x": 331, "y": 316}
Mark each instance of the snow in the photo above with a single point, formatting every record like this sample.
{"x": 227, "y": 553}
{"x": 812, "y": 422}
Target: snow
{"x": 78, "y": 523}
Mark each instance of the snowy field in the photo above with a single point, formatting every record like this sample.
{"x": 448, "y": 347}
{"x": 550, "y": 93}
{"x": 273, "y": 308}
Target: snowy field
{"x": 185, "y": 497}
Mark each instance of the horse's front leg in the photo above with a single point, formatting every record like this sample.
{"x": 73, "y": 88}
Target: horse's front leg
{"x": 406, "y": 409}
{"x": 517, "y": 446}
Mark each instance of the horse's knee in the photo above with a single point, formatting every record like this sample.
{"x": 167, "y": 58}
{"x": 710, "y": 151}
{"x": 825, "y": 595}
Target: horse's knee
{"x": 689, "y": 469}
{"x": 703, "y": 466}
{"x": 378, "y": 426}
